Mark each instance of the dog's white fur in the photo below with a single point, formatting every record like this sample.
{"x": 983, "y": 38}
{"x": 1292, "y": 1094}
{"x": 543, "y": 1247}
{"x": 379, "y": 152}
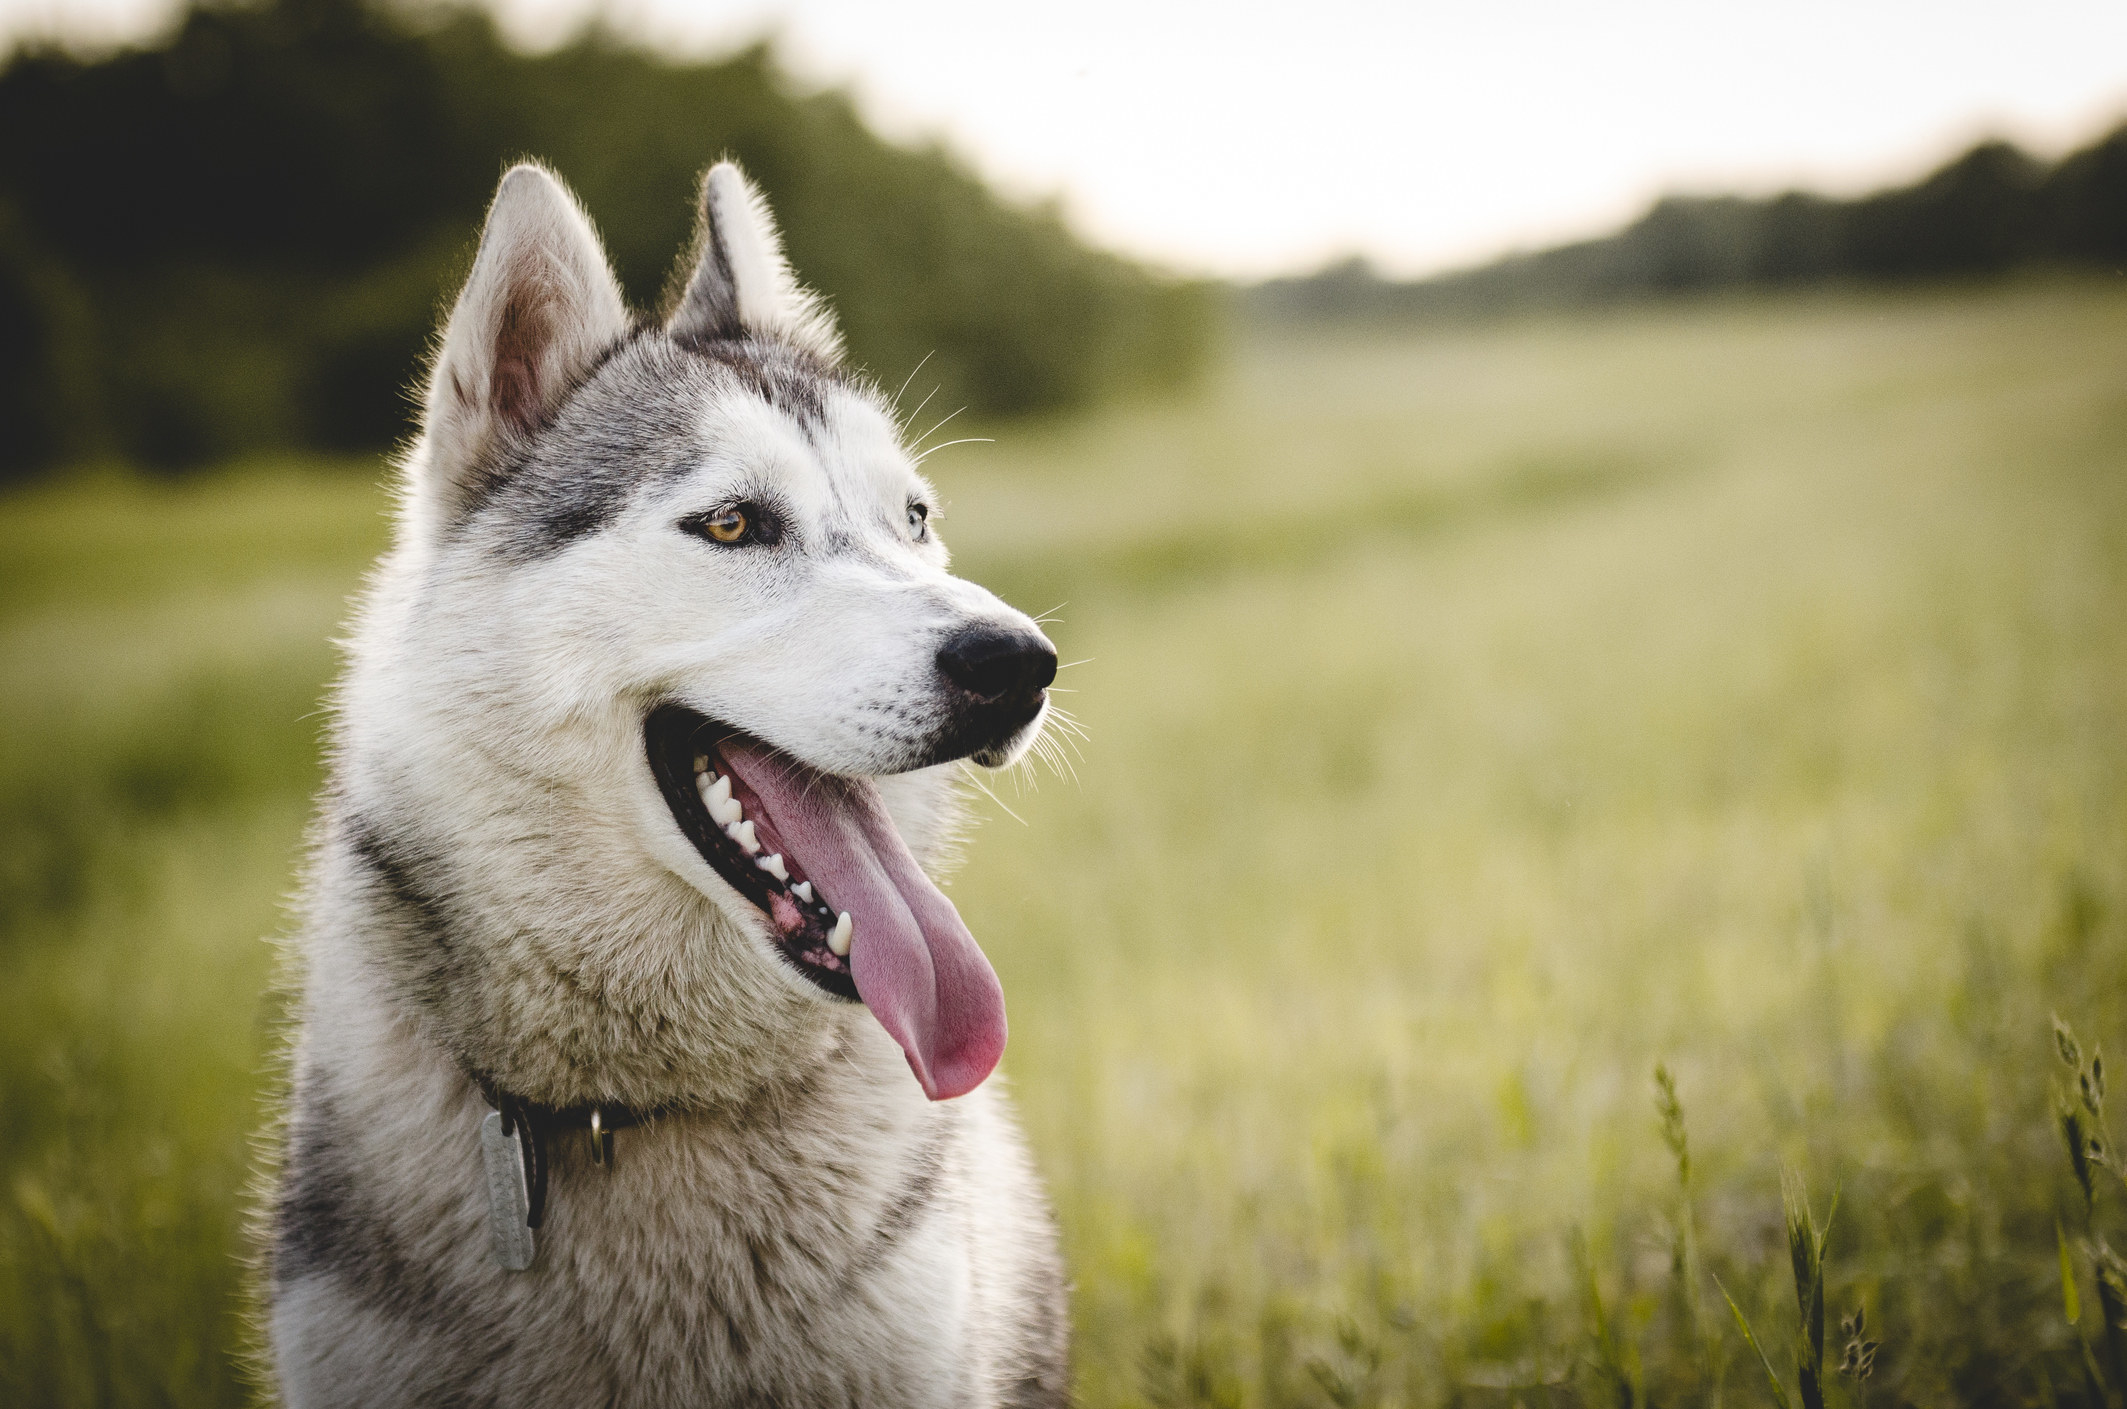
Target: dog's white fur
{"x": 499, "y": 892}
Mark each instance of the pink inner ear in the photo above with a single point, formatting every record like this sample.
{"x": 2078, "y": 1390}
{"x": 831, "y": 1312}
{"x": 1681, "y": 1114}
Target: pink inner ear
{"x": 514, "y": 392}
{"x": 523, "y": 337}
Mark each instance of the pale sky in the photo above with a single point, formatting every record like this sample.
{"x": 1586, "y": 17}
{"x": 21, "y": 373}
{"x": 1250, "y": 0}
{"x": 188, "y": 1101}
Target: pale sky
{"x": 1250, "y": 138}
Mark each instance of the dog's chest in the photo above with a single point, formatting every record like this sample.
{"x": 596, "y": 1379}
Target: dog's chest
{"x": 758, "y": 1260}
{"x": 836, "y": 1288}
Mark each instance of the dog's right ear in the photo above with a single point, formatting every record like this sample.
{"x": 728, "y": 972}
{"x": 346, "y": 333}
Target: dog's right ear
{"x": 736, "y": 284}
{"x": 539, "y": 308}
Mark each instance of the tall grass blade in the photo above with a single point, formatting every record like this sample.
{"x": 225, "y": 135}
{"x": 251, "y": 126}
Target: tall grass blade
{"x": 1750, "y": 1339}
{"x": 1805, "y": 1248}
{"x": 1609, "y": 1358}
{"x": 1670, "y": 1108}
{"x": 2079, "y": 1107}
{"x": 2070, "y": 1302}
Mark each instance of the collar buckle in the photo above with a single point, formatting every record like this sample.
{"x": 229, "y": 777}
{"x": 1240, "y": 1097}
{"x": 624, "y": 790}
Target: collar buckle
{"x": 601, "y": 1140}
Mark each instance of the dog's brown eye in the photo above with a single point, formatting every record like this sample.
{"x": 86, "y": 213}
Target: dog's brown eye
{"x": 728, "y": 525}
{"x": 742, "y": 525}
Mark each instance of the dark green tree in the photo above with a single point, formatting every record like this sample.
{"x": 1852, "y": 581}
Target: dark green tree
{"x": 238, "y": 238}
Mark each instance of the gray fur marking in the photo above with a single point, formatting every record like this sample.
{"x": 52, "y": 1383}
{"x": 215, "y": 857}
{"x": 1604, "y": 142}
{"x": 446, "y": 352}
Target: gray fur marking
{"x": 573, "y": 481}
{"x": 324, "y": 1227}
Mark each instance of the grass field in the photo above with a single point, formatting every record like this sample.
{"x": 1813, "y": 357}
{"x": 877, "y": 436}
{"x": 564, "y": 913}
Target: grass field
{"x": 1475, "y": 719}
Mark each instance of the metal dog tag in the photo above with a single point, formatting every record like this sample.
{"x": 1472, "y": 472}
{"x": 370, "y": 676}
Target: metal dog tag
{"x": 509, "y": 1198}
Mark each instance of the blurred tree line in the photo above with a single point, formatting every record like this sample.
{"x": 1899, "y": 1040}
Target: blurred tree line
{"x": 1990, "y": 211}
{"x": 240, "y": 238}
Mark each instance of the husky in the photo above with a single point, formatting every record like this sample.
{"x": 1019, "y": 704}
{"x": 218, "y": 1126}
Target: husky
{"x": 638, "y": 1058}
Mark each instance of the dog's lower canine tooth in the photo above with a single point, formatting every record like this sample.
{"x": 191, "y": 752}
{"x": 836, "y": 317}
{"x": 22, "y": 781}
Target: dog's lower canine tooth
{"x": 745, "y": 838}
{"x": 773, "y": 865}
{"x": 838, "y": 938}
{"x": 803, "y": 891}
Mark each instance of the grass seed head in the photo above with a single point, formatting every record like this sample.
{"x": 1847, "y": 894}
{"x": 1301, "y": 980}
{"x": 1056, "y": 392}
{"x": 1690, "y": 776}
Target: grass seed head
{"x": 1859, "y": 1360}
{"x": 2064, "y": 1042}
{"x": 1671, "y": 1111}
{"x": 2078, "y": 1143}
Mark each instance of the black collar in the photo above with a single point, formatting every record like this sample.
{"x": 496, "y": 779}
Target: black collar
{"x": 533, "y": 1123}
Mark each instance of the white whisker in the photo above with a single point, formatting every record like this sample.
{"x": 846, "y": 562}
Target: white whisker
{"x": 969, "y": 774}
{"x": 910, "y": 419}
{"x": 907, "y": 379}
{"x": 965, "y": 440}
{"x": 936, "y": 428}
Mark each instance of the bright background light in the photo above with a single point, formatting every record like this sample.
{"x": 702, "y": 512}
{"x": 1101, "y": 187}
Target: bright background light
{"x": 1251, "y": 138}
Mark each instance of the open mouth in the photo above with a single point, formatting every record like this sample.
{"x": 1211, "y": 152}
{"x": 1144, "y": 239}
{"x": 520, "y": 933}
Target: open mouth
{"x": 729, "y": 825}
{"x": 846, "y": 904}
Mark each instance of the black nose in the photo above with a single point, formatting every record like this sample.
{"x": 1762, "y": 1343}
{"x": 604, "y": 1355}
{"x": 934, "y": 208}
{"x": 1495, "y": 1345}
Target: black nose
{"x": 996, "y": 662}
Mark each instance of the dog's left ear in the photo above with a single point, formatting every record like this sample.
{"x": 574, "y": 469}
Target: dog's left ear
{"x": 737, "y": 283}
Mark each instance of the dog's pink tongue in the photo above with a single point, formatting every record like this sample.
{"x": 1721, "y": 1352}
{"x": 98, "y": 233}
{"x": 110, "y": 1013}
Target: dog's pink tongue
{"x": 917, "y": 968}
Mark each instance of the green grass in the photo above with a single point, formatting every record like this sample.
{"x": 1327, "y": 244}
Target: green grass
{"x": 1476, "y": 719}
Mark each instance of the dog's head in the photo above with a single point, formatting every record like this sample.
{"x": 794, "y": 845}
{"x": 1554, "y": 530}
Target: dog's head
{"x": 658, "y": 688}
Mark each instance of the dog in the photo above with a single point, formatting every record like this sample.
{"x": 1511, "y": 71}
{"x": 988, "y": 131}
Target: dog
{"x": 638, "y": 1059}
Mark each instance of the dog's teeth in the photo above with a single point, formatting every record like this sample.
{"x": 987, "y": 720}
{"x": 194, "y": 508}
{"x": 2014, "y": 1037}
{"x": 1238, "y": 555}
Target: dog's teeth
{"x": 803, "y": 891}
{"x": 773, "y": 865}
{"x": 717, "y": 797}
{"x": 838, "y": 937}
{"x": 745, "y": 838}
{"x": 701, "y": 763}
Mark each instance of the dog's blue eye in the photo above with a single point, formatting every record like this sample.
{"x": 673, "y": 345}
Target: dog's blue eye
{"x": 919, "y": 517}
